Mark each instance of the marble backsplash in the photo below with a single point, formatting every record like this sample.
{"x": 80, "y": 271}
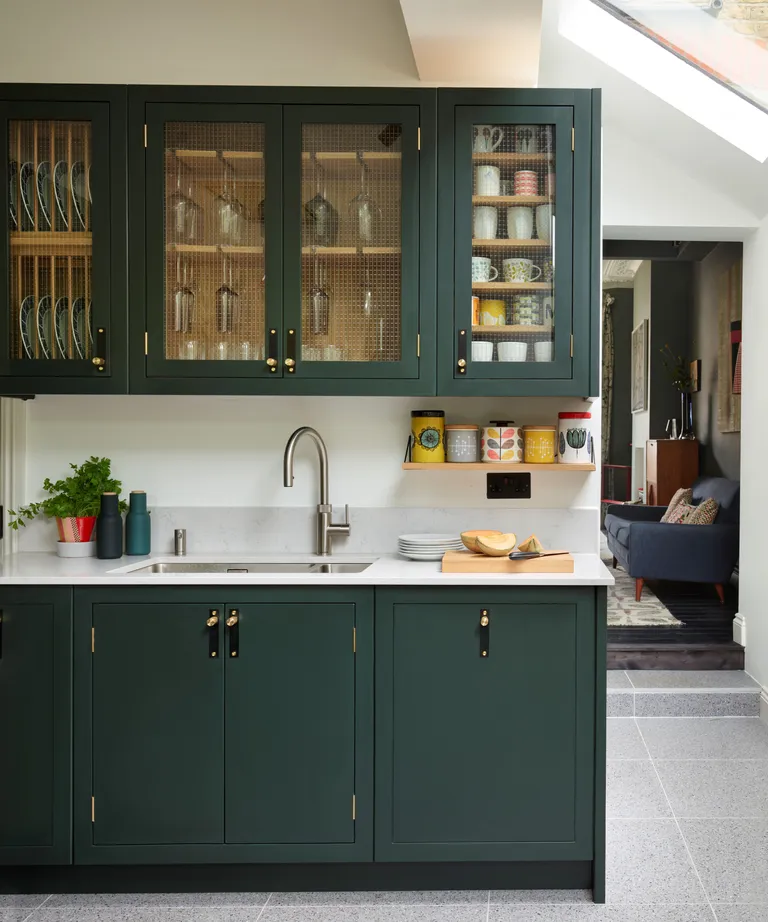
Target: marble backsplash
{"x": 272, "y": 529}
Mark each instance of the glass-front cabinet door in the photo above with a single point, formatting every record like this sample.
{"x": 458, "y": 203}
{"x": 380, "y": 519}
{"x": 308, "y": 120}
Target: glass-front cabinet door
{"x": 213, "y": 241}
{"x": 60, "y": 293}
{"x": 351, "y": 242}
{"x": 512, "y": 245}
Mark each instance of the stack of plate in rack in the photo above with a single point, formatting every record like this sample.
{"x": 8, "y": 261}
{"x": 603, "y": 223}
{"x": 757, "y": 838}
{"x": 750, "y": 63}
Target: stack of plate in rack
{"x": 428, "y": 547}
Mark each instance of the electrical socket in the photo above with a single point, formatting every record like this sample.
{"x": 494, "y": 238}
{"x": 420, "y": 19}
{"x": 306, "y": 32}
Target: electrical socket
{"x": 508, "y": 486}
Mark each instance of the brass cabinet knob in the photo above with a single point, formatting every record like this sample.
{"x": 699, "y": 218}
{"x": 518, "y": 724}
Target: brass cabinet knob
{"x": 98, "y": 362}
{"x": 232, "y": 621}
{"x": 462, "y": 363}
{"x": 212, "y": 621}
{"x": 290, "y": 362}
{"x": 271, "y": 362}
{"x": 484, "y": 621}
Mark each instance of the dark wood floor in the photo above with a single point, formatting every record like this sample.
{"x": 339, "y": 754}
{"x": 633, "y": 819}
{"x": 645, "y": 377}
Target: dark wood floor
{"x": 705, "y": 641}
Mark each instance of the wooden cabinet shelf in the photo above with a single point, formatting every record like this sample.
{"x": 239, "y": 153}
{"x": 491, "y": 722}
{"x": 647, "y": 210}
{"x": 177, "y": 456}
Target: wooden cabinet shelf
{"x": 511, "y": 199}
{"x": 493, "y": 466}
{"x": 350, "y": 251}
{"x": 500, "y": 242}
{"x": 490, "y": 330}
{"x": 48, "y": 240}
{"x": 204, "y": 249}
{"x": 511, "y": 286}
{"x": 511, "y": 157}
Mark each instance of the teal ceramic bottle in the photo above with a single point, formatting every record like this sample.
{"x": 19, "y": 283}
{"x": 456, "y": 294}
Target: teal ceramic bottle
{"x": 109, "y": 528}
{"x": 138, "y": 528}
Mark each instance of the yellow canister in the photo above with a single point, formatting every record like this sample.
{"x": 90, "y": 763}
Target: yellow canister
{"x": 428, "y": 429}
{"x": 539, "y": 442}
{"x": 493, "y": 313}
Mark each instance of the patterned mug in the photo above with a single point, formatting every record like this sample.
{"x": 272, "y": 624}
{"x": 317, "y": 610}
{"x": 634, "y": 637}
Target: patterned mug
{"x": 517, "y": 269}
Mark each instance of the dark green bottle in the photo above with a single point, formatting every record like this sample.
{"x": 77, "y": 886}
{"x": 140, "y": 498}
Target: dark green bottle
{"x": 109, "y": 528}
{"x": 138, "y": 528}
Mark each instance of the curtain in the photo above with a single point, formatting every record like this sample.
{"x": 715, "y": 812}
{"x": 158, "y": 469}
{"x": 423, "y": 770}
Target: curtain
{"x": 607, "y": 390}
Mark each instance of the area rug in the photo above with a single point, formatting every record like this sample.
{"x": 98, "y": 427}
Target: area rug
{"x": 624, "y": 611}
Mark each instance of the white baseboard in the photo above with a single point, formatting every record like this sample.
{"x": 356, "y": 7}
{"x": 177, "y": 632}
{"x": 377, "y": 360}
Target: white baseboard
{"x": 740, "y": 629}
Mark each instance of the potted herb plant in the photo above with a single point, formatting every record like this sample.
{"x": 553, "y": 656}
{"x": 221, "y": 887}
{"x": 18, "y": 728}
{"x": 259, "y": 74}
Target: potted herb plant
{"x": 74, "y": 502}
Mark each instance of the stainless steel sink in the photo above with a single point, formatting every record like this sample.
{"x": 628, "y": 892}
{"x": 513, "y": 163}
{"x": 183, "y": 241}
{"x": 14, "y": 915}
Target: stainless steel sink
{"x": 202, "y": 567}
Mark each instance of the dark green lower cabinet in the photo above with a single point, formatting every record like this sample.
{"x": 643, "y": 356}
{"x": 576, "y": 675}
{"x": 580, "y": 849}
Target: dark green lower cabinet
{"x": 247, "y": 739}
{"x": 485, "y": 757}
{"x": 35, "y": 725}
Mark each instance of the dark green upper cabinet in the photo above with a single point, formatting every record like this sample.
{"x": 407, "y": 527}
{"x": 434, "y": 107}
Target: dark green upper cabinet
{"x": 36, "y": 725}
{"x": 282, "y": 241}
{"x": 518, "y": 221}
{"x": 63, "y": 240}
{"x": 484, "y": 757}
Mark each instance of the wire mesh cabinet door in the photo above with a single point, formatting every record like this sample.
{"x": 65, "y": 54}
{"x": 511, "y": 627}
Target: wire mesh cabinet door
{"x": 351, "y": 252}
{"x": 213, "y": 242}
{"x": 63, "y": 327}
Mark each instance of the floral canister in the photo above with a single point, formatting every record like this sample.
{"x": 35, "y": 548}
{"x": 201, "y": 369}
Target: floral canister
{"x": 501, "y": 441}
{"x": 428, "y": 430}
{"x": 574, "y": 438}
{"x": 461, "y": 443}
{"x": 539, "y": 444}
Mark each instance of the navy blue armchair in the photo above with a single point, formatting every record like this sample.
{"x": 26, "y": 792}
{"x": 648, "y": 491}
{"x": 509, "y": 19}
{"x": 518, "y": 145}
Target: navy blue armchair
{"x": 648, "y": 548}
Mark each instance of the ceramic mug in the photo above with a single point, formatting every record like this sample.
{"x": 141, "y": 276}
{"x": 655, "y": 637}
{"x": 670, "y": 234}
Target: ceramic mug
{"x": 486, "y": 222}
{"x": 526, "y": 139}
{"x": 482, "y": 270}
{"x": 542, "y": 351}
{"x": 512, "y": 352}
{"x": 549, "y": 184}
{"x": 519, "y": 222}
{"x": 487, "y": 180}
{"x": 482, "y": 351}
{"x": 547, "y": 308}
{"x": 547, "y": 270}
{"x": 493, "y": 313}
{"x": 486, "y": 138}
{"x": 543, "y": 221}
{"x": 526, "y": 311}
{"x": 517, "y": 269}
{"x": 526, "y": 183}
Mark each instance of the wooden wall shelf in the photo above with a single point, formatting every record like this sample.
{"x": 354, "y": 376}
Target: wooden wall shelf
{"x": 511, "y": 157}
{"x": 491, "y": 467}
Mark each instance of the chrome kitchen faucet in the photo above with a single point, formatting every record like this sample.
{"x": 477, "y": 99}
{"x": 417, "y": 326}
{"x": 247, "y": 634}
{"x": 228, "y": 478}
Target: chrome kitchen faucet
{"x": 325, "y": 528}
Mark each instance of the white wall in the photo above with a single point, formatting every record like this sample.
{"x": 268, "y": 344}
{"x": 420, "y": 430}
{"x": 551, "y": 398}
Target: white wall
{"x": 227, "y": 451}
{"x": 753, "y": 594}
{"x": 641, "y": 421}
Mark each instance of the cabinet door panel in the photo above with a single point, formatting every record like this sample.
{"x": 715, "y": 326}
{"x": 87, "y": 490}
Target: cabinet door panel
{"x": 352, "y": 241}
{"x": 290, "y": 724}
{"x": 488, "y": 758}
{"x": 35, "y": 726}
{"x": 157, "y": 712}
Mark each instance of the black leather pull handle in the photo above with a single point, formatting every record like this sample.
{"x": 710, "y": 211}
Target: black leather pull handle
{"x": 461, "y": 363}
{"x": 485, "y": 633}
{"x": 233, "y": 623}
{"x": 290, "y": 351}
{"x": 213, "y": 632}
{"x": 100, "y": 358}
{"x": 272, "y": 351}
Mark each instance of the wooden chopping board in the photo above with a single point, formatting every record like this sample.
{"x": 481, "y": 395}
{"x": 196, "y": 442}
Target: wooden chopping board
{"x": 468, "y": 562}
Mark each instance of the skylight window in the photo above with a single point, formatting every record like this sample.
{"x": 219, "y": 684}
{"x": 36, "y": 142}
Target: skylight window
{"x": 708, "y": 58}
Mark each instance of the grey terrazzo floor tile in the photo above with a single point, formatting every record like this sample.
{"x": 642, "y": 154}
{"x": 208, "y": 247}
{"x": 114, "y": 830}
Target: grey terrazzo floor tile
{"x": 381, "y": 913}
{"x": 624, "y": 740}
{"x": 620, "y": 704}
{"x": 633, "y": 791}
{"x": 541, "y": 896}
{"x": 596, "y": 913}
{"x": 728, "y": 788}
{"x": 691, "y": 678}
{"x": 150, "y": 900}
{"x": 740, "y": 913}
{"x": 617, "y": 678}
{"x": 123, "y": 913}
{"x": 380, "y": 898}
{"x": 647, "y": 863}
{"x": 696, "y": 704}
{"x": 705, "y": 738}
{"x": 731, "y": 857}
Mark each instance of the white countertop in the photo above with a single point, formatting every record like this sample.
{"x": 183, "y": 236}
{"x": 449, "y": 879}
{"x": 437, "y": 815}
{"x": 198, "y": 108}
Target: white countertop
{"x": 46, "y": 569}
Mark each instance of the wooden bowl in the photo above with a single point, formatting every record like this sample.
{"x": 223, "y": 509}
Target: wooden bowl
{"x": 469, "y": 541}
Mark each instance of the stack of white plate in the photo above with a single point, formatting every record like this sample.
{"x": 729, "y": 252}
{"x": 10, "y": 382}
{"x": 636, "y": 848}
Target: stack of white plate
{"x": 428, "y": 547}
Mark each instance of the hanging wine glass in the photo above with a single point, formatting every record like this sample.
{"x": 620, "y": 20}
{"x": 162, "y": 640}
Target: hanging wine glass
{"x": 183, "y": 299}
{"x": 319, "y": 302}
{"x": 227, "y": 302}
{"x": 320, "y": 217}
{"x": 364, "y": 211}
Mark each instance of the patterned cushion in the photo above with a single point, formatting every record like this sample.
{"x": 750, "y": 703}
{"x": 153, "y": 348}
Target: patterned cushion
{"x": 703, "y": 514}
{"x": 683, "y": 495}
{"x": 679, "y": 514}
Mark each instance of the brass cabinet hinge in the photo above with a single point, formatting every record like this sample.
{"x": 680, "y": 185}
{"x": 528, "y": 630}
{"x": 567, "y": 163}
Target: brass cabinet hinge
{"x": 145, "y": 135}
{"x": 354, "y": 640}
{"x": 93, "y": 640}
{"x": 354, "y": 808}
{"x": 573, "y": 139}
{"x": 93, "y": 809}
{"x": 571, "y": 345}
{"x": 146, "y": 343}
{"x": 418, "y": 138}
{"x": 418, "y": 345}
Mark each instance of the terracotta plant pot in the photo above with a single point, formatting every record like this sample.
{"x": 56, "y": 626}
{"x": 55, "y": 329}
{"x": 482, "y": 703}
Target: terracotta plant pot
{"x": 76, "y": 530}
